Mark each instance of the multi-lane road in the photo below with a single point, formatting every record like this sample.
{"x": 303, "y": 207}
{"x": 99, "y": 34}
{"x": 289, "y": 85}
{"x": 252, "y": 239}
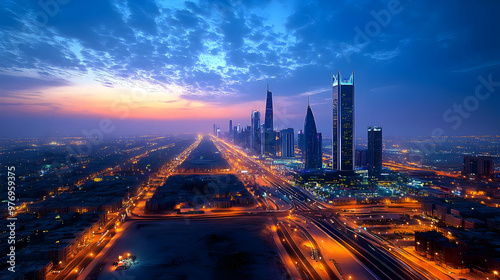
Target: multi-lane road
{"x": 381, "y": 263}
{"x": 284, "y": 204}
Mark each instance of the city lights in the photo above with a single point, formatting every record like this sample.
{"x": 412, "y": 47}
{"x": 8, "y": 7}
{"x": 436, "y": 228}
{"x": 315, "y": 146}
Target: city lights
{"x": 229, "y": 139}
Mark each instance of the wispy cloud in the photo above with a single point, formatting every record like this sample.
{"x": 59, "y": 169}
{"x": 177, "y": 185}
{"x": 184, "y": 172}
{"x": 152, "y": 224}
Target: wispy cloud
{"x": 384, "y": 55}
{"x": 313, "y": 92}
{"x": 477, "y": 67}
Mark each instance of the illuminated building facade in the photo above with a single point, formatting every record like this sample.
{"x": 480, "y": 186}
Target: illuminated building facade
{"x": 480, "y": 167}
{"x": 255, "y": 132}
{"x": 287, "y": 143}
{"x": 343, "y": 140}
{"x": 374, "y": 155}
{"x": 269, "y": 135}
{"x": 301, "y": 142}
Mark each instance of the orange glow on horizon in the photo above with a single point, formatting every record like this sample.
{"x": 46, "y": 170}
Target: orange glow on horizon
{"x": 100, "y": 101}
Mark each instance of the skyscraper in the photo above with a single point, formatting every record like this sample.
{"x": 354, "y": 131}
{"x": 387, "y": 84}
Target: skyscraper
{"x": 311, "y": 155}
{"x": 301, "y": 142}
{"x": 287, "y": 143}
{"x": 374, "y": 154}
{"x": 230, "y": 127}
{"x": 255, "y": 132}
{"x": 269, "y": 135}
{"x": 343, "y": 123}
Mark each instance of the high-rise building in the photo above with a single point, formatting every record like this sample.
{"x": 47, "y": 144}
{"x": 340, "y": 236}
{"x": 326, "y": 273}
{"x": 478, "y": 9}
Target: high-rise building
{"x": 361, "y": 156}
{"x": 269, "y": 135}
{"x": 235, "y": 133}
{"x": 301, "y": 142}
{"x": 255, "y": 132}
{"x": 343, "y": 140}
{"x": 215, "y": 130}
{"x": 478, "y": 166}
{"x": 230, "y": 127}
{"x": 374, "y": 154}
{"x": 311, "y": 155}
{"x": 287, "y": 143}
{"x": 319, "y": 150}
{"x": 247, "y": 136}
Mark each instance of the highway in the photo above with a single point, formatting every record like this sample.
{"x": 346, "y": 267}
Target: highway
{"x": 306, "y": 270}
{"x": 381, "y": 263}
{"x": 283, "y": 201}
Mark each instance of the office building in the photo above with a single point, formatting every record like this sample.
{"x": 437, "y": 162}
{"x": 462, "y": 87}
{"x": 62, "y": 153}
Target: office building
{"x": 374, "y": 155}
{"x": 312, "y": 148}
{"x": 301, "y": 142}
{"x": 343, "y": 140}
{"x": 255, "y": 132}
{"x": 269, "y": 142}
{"x": 287, "y": 143}
{"x": 480, "y": 167}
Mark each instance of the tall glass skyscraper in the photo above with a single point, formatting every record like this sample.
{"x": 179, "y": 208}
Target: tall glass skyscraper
{"x": 343, "y": 140}
{"x": 374, "y": 154}
{"x": 312, "y": 160}
{"x": 255, "y": 132}
{"x": 269, "y": 135}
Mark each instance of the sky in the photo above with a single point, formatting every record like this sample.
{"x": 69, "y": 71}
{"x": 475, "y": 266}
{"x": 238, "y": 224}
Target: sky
{"x": 421, "y": 68}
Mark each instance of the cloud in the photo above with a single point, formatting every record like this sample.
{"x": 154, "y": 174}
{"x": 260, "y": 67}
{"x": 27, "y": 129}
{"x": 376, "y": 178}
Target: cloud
{"x": 225, "y": 52}
{"x": 384, "y": 55}
{"x": 313, "y": 92}
{"x": 477, "y": 67}
{"x": 12, "y": 84}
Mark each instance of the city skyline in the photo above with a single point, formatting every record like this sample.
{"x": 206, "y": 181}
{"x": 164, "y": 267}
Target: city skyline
{"x": 229, "y": 139}
{"x": 180, "y": 67}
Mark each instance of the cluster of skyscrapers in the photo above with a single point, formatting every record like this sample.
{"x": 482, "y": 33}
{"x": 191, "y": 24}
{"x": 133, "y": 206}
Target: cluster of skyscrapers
{"x": 263, "y": 139}
{"x": 260, "y": 138}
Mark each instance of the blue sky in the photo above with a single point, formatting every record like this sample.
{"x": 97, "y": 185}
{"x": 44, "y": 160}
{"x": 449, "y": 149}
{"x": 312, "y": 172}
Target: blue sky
{"x": 178, "y": 66}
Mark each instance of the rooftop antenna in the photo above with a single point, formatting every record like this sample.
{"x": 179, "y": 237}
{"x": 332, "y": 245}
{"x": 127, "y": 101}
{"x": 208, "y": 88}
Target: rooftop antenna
{"x": 308, "y": 100}
{"x": 267, "y": 86}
